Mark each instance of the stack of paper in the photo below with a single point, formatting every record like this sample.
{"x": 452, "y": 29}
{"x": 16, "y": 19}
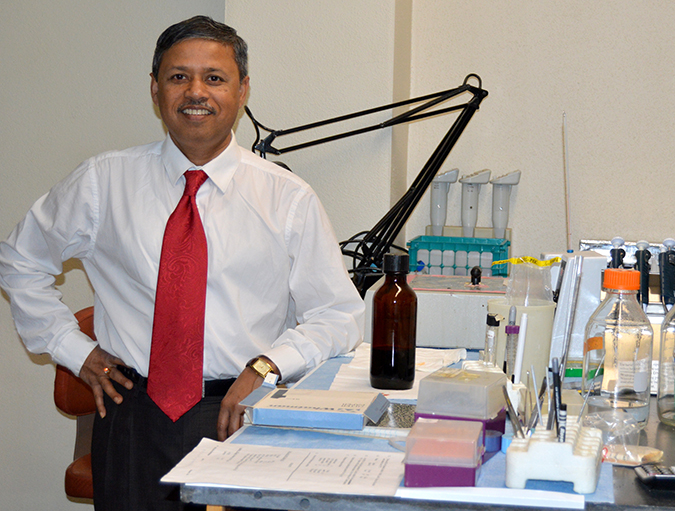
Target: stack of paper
{"x": 280, "y": 468}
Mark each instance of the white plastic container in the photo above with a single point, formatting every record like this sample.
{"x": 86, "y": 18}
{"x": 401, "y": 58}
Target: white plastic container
{"x": 448, "y": 257}
{"x": 452, "y": 392}
{"x": 576, "y": 460}
{"x": 423, "y": 256}
{"x": 461, "y": 260}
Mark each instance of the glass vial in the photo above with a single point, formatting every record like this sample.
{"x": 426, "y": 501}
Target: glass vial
{"x": 392, "y": 352}
{"x": 666, "y": 390}
{"x": 489, "y": 353}
{"x": 618, "y": 349}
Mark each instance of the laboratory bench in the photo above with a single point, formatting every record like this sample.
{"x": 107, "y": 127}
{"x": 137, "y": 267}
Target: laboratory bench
{"x": 628, "y": 493}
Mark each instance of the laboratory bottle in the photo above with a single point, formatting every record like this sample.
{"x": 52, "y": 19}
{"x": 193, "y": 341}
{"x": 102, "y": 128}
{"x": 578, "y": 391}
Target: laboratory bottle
{"x": 666, "y": 389}
{"x": 618, "y": 350}
{"x": 392, "y": 352}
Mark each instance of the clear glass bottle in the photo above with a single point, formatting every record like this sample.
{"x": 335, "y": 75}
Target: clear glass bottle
{"x": 666, "y": 391}
{"x": 392, "y": 352}
{"x": 620, "y": 333}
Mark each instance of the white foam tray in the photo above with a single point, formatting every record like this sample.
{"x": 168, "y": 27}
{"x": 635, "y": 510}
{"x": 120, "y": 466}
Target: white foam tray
{"x": 541, "y": 456}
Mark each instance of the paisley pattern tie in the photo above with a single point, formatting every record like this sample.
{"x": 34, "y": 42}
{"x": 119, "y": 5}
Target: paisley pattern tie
{"x": 176, "y": 356}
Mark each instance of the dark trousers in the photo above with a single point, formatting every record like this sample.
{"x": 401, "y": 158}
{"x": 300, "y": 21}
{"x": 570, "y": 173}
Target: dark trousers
{"x": 136, "y": 444}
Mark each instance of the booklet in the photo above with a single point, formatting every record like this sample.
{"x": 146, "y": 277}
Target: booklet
{"x": 303, "y": 408}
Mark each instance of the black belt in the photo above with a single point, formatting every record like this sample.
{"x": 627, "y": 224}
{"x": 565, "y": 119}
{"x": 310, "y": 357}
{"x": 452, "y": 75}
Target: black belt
{"x": 212, "y": 388}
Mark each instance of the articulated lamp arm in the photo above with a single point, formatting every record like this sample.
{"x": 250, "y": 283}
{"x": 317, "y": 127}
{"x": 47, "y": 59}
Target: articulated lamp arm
{"x": 371, "y": 246}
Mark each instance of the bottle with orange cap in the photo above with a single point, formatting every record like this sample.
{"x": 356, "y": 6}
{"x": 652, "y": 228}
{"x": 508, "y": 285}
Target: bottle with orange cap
{"x": 618, "y": 350}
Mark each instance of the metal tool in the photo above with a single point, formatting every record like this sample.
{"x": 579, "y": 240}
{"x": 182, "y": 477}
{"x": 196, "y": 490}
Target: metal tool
{"x": 513, "y": 416}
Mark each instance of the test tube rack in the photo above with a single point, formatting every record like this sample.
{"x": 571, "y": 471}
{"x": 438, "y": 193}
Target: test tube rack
{"x": 543, "y": 457}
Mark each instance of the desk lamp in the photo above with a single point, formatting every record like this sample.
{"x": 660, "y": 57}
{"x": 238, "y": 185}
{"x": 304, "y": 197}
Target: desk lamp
{"x": 370, "y": 246}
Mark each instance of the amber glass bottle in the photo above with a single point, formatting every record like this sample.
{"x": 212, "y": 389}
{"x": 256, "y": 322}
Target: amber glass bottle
{"x": 392, "y": 352}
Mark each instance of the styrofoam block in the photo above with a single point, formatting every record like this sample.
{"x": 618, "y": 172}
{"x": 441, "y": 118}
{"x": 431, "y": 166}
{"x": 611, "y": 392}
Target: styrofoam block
{"x": 541, "y": 456}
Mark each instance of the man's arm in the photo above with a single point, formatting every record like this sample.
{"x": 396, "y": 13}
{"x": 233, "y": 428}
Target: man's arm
{"x": 329, "y": 310}
{"x": 231, "y": 416}
{"x": 58, "y": 227}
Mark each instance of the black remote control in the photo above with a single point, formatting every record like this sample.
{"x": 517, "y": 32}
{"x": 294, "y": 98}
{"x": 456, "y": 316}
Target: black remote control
{"x": 657, "y": 476}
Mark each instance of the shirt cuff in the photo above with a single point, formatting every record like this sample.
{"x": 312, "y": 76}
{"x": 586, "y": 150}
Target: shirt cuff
{"x": 288, "y": 360}
{"x": 73, "y": 351}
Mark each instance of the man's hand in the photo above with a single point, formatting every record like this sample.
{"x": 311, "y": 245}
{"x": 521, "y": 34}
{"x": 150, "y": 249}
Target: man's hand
{"x": 231, "y": 416}
{"x": 98, "y": 369}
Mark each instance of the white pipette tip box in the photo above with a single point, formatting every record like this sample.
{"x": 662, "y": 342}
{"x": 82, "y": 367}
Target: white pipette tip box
{"x": 576, "y": 460}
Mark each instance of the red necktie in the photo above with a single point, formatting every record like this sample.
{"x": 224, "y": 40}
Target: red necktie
{"x": 176, "y": 357}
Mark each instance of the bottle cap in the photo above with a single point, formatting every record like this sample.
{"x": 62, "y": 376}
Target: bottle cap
{"x": 396, "y": 263}
{"x": 621, "y": 279}
{"x": 492, "y": 320}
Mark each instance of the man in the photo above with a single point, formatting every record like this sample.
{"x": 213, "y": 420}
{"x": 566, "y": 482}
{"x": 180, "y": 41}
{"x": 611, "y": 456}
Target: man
{"x": 253, "y": 243}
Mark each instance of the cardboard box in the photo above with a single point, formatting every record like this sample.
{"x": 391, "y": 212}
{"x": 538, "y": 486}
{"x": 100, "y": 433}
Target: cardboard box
{"x": 304, "y": 408}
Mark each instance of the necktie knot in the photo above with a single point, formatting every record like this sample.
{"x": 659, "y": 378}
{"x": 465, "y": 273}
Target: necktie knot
{"x": 194, "y": 180}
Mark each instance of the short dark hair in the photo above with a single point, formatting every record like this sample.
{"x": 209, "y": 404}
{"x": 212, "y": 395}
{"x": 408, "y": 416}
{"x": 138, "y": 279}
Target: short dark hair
{"x": 202, "y": 27}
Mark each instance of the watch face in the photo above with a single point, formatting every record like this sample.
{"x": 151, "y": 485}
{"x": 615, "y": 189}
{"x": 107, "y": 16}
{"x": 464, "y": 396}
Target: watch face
{"x": 261, "y": 367}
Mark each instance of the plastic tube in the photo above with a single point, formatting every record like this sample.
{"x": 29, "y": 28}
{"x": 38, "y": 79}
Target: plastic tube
{"x": 520, "y": 351}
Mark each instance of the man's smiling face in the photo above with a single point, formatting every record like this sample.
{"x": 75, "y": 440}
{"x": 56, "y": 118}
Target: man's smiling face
{"x": 199, "y": 92}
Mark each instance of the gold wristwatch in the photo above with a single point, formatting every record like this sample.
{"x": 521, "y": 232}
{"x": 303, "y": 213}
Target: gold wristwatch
{"x": 260, "y": 366}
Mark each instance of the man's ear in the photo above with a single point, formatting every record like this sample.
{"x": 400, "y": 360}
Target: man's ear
{"x": 154, "y": 88}
{"x": 243, "y": 90}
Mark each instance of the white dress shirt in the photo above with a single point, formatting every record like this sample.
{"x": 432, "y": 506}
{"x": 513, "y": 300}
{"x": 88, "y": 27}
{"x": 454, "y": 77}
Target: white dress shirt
{"x": 277, "y": 284}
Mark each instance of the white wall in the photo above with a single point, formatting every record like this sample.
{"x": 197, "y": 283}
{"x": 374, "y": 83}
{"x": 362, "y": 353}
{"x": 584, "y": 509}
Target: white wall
{"x": 606, "y": 64}
{"x": 74, "y": 82}
{"x": 312, "y": 60}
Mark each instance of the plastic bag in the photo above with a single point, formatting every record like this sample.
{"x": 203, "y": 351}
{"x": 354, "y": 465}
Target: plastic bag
{"x": 620, "y": 434}
{"x": 529, "y": 284}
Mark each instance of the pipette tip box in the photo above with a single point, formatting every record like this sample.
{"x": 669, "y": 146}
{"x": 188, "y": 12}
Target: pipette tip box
{"x": 443, "y": 453}
{"x": 459, "y": 394}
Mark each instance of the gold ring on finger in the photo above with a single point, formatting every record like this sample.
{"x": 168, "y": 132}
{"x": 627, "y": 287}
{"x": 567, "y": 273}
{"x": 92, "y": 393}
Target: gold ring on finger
{"x": 106, "y": 371}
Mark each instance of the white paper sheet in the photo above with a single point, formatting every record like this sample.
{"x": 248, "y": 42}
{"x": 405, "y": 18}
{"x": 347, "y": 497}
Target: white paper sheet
{"x": 354, "y": 377}
{"x": 280, "y": 468}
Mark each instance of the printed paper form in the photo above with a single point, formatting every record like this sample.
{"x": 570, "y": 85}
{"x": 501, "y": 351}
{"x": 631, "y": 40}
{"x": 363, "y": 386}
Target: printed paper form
{"x": 214, "y": 463}
{"x": 355, "y": 376}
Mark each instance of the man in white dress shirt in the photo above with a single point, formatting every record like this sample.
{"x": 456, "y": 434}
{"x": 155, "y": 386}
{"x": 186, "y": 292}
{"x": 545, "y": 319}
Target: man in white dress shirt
{"x": 278, "y": 296}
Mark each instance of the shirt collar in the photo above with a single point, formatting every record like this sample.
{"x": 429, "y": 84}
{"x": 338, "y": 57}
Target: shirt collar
{"x": 221, "y": 169}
